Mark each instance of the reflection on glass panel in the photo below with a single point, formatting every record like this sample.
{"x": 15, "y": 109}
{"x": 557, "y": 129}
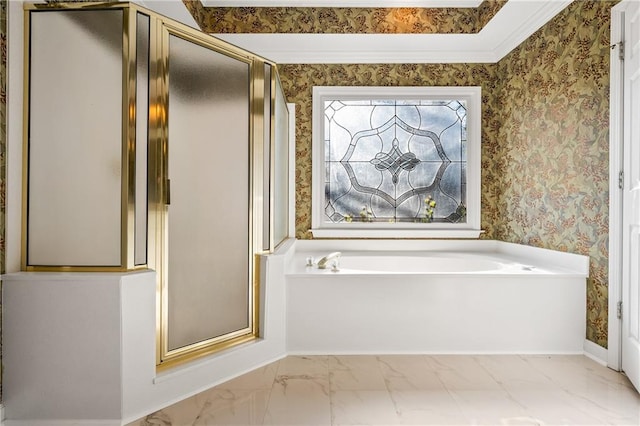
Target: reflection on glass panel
{"x": 142, "y": 123}
{"x": 75, "y": 138}
{"x": 390, "y": 160}
{"x": 208, "y": 224}
{"x": 266, "y": 185}
{"x": 281, "y": 186}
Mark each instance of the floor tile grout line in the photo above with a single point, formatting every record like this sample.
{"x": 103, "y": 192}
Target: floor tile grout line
{"x": 435, "y": 372}
{"x": 273, "y": 384}
{"x": 329, "y": 375}
{"x": 386, "y": 385}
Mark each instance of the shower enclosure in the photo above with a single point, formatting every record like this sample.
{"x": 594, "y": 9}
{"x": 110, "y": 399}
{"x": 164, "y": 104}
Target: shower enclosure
{"x": 149, "y": 144}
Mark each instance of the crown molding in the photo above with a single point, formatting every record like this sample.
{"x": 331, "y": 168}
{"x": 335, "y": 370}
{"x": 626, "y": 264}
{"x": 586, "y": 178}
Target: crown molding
{"x": 515, "y": 22}
{"x": 362, "y": 48}
{"x": 537, "y": 17}
{"x": 343, "y": 3}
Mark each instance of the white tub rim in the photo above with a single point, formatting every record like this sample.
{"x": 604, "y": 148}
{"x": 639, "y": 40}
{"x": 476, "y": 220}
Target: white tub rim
{"x": 543, "y": 262}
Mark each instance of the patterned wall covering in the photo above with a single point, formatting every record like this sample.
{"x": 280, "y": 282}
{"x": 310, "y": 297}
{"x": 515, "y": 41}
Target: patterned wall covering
{"x": 298, "y": 82}
{"x": 554, "y": 143}
{"x": 196, "y": 9}
{"x": 345, "y": 20}
{"x": 545, "y": 138}
{"x": 3, "y": 150}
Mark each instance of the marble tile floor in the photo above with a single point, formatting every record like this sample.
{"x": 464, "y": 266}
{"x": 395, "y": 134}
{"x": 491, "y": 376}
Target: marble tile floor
{"x": 414, "y": 390}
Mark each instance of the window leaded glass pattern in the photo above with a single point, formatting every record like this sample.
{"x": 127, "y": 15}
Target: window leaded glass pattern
{"x": 387, "y": 160}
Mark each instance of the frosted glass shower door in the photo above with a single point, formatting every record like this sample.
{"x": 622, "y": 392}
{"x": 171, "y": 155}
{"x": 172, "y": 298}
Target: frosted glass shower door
{"x": 75, "y": 139}
{"x": 208, "y": 270}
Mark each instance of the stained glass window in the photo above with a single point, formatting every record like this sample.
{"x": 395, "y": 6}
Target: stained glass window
{"x": 397, "y": 161}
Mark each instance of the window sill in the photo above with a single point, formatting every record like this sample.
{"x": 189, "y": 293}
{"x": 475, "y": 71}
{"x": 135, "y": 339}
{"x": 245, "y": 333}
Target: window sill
{"x": 396, "y": 233}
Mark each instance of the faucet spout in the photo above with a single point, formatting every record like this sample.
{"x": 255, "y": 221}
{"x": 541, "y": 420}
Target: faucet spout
{"x": 322, "y": 263}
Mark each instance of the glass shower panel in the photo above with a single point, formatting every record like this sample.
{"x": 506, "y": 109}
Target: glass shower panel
{"x": 75, "y": 138}
{"x": 142, "y": 135}
{"x": 281, "y": 165}
{"x": 266, "y": 187}
{"x": 208, "y": 285}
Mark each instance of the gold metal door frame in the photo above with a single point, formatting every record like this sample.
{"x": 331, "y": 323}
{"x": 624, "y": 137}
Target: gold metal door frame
{"x": 128, "y": 206}
{"x": 167, "y": 358}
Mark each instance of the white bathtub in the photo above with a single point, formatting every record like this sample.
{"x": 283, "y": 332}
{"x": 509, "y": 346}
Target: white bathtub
{"x": 436, "y": 297}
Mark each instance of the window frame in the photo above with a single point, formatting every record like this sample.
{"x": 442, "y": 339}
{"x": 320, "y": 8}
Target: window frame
{"x": 472, "y": 95}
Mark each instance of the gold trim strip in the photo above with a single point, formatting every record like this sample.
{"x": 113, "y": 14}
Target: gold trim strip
{"x": 127, "y": 223}
{"x": 272, "y": 165}
{"x": 205, "y": 344}
{"x": 157, "y": 128}
{"x": 257, "y": 142}
{"x": 25, "y": 140}
{"x": 163, "y": 84}
{"x": 203, "y": 352}
{"x": 257, "y": 299}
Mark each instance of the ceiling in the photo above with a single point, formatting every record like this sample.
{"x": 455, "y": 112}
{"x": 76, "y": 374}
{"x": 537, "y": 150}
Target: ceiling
{"x": 513, "y": 23}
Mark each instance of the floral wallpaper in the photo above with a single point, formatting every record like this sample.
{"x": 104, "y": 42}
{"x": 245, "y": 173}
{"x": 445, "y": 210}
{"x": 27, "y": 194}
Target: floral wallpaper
{"x": 3, "y": 150}
{"x": 298, "y": 81}
{"x": 196, "y": 9}
{"x": 553, "y": 161}
{"x": 544, "y": 138}
{"x": 343, "y": 20}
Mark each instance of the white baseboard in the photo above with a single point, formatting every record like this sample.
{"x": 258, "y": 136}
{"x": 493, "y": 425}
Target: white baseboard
{"x": 595, "y": 352}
